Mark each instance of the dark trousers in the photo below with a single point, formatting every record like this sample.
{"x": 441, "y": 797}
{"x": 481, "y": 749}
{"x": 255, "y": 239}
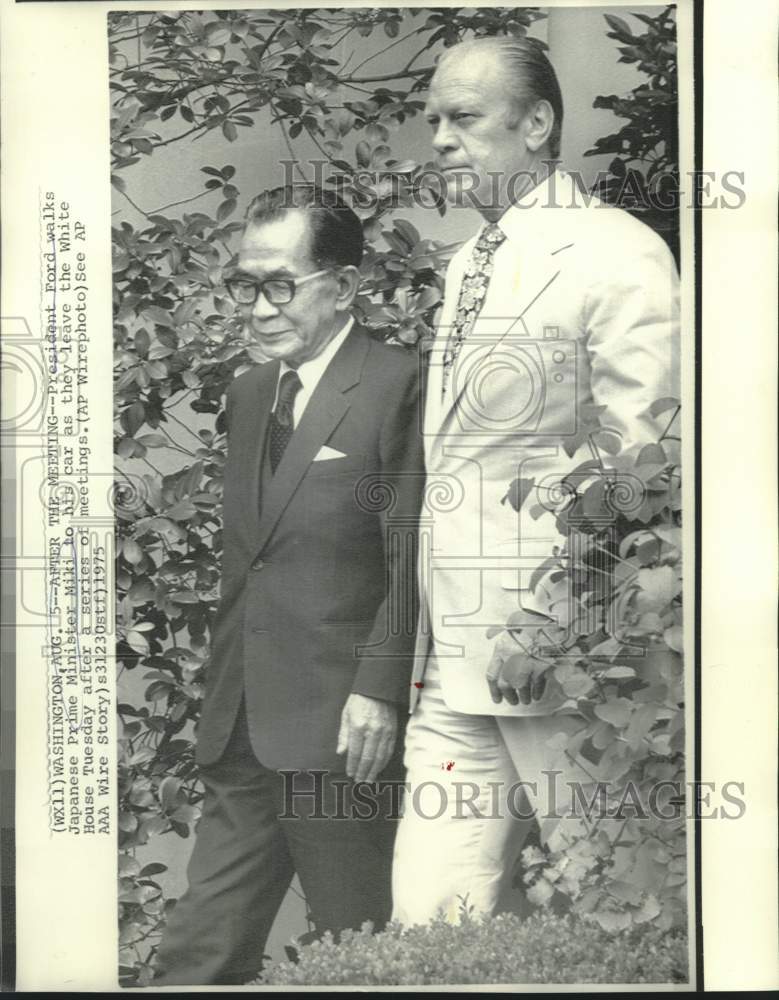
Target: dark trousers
{"x": 251, "y": 839}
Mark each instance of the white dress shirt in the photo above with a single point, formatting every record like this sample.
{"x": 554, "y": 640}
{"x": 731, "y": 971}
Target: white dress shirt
{"x": 310, "y": 372}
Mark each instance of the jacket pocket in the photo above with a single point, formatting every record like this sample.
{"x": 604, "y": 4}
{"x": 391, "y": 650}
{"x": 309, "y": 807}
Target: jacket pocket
{"x": 336, "y": 466}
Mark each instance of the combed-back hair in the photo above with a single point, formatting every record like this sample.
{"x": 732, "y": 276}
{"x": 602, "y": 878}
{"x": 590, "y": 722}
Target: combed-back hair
{"x": 530, "y": 77}
{"x": 336, "y": 232}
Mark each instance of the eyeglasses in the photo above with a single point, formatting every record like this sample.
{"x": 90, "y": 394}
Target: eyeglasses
{"x": 278, "y": 291}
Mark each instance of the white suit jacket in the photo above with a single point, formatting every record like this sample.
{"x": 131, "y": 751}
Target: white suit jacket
{"x": 581, "y": 309}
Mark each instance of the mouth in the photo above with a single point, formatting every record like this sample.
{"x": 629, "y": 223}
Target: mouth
{"x": 269, "y": 334}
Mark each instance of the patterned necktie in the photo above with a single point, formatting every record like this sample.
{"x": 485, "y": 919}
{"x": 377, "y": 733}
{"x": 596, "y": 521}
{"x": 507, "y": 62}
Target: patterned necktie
{"x": 473, "y": 291}
{"x": 282, "y": 422}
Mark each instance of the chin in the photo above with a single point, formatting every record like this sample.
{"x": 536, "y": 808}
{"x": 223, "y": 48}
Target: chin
{"x": 278, "y": 350}
{"x": 462, "y": 192}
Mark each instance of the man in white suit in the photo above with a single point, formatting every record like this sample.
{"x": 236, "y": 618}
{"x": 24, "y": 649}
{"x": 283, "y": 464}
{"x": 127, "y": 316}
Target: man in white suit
{"x": 559, "y": 304}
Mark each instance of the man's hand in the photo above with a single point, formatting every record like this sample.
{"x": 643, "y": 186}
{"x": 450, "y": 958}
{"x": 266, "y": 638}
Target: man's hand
{"x": 369, "y": 728}
{"x": 513, "y": 673}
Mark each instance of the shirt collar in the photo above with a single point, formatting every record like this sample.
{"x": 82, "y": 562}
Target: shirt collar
{"x": 523, "y": 217}
{"x": 310, "y": 372}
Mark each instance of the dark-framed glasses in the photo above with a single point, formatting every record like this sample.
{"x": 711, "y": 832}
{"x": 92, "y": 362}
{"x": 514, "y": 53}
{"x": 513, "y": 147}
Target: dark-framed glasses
{"x": 278, "y": 291}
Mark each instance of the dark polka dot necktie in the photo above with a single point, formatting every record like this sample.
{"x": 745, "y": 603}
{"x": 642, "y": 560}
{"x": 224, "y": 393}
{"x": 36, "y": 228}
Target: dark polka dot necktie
{"x": 473, "y": 292}
{"x": 282, "y": 422}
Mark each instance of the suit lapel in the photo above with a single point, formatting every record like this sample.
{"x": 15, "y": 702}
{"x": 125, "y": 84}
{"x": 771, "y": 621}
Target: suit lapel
{"x": 437, "y": 407}
{"x": 539, "y": 271}
{"x": 326, "y": 409}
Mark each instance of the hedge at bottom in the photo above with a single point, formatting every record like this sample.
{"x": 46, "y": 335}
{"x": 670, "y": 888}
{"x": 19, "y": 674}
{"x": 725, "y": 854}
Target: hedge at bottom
{"x": 503, "y": 949}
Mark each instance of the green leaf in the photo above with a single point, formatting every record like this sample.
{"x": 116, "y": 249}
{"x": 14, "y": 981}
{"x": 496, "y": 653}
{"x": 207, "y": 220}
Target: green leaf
{"x": 612, "y": 920}
{"x": 363, "y": 153}
{"x": 625, "y": 891}
{"x": 159, "y": 316}
{"x": 168, "y": 793}
{"x": 524, "y": 618}
{"x": 404, "y": 167}
{"x": 674, "y": 638}
{"x": 155, "y": 868}
{"x": 142, "y": 756}
{"x": 652, "y": 454}
{"x": 662, "y": 405}
{"x": 558, "y": 742}
{"x": 133, "y": 418}
{"x": 226, "y": 209}
{"x": 518, "y": 492}
{"x": 617, "y": 713}
{"x": 157, "y": 351}
{"x": 182, "y": 511}
{"x": 138, "y": 642}
{"x": 619, "y": 673}
{"x": 658, "y": 585}
{"x": 217, "y": 33}
{"x": 154, "y": 441}
{"x": 128, "y": 865}
{"x": 184, "y": 597}
{"x": 132, "y": 551}
{"x": 127, "y": 822}
{"x": 648, "y": 551}
{"x": 649, "y": 909}
{"x": 578, "y": 685}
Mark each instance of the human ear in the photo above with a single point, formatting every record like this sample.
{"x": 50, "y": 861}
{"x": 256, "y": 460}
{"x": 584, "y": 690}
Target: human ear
{"x": 539, "y": 123}
{"x": 348, "y": 283}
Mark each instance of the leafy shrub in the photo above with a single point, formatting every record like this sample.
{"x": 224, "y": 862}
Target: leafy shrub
{"x": 174, "y": 77}
{"x": 612, "y": 644}
{"x": 501, "y": 949}
{"x": 644, "y": 174}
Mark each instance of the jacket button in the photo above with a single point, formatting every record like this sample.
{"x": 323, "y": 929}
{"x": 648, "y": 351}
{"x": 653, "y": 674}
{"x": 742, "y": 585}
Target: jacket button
{"x": 258, "y": 564}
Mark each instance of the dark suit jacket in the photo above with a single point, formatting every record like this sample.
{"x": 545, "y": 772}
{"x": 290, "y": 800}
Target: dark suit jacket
{"x": 319, "y": 559}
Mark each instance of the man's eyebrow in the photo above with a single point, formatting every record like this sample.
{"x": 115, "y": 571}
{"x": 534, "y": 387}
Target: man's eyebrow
{"x": 455, "y": 108}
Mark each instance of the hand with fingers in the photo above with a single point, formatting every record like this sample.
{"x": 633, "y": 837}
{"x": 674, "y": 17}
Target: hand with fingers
{"x": 369, "y": 729}
{"x": 514, "y": 673}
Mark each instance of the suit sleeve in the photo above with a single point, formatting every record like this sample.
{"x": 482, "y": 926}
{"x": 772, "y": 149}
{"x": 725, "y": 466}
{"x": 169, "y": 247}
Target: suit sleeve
{"x": 632, "y": 319}
{"x": 384, "y": 670}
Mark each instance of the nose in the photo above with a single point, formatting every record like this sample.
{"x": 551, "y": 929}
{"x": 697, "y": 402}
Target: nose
{"x": 262, "y": 308}
{"x": 443, "y": 138}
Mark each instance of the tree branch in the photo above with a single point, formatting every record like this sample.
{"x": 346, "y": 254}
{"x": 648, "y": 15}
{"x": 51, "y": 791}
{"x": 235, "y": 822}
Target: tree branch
{"x": 288, "y": 144}
{"x": 134, "y": 205}
{"x": 183, "y": 201}
{"x": 390, "y": 76}
{"x": 392, "y": 45}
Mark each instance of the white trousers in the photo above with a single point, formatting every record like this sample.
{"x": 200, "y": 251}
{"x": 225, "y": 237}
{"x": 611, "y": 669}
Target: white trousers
{"x": 472, "y": 766}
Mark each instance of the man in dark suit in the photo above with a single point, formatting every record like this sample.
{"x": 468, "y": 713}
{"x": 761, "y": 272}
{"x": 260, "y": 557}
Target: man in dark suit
{"x": 312, "y": 645}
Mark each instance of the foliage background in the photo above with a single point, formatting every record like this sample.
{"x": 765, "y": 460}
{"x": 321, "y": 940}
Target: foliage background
{"x": 310, "y": 79}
